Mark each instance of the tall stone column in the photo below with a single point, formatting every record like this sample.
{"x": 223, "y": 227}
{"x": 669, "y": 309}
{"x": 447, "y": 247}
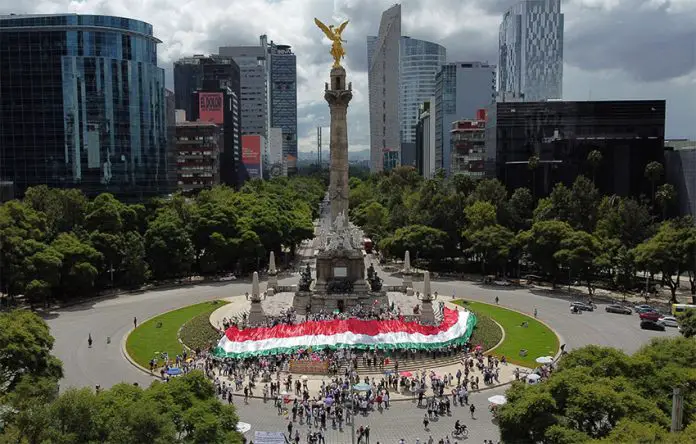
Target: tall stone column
{"x": 338, "y": 96}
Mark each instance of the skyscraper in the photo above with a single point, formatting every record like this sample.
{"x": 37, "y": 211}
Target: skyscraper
{"x": 531, "y": 50}
{"x": 254, "y": 69}
{"x": 383, "y": 81}
{"x": 419, "y": 63}
{"x": 82, "y": 105}
{"x": 283, "y": 99}
{"x": 461, "y": 89}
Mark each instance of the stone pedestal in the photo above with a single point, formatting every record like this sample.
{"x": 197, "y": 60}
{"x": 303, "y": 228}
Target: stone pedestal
{"x": 408, "y": 280}
{"x": 427, "y": 313}
{"x": 270, "y": 291}
{"x": 272, "y": 282}
{"x": 256, "y": 314}
{"x": 409, "y": 291}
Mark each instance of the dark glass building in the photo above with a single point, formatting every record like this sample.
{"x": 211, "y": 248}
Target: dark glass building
{"x": 191, "y": 72}
{"x": 83, "y": 105}
{"x": 629, "y": 134}
{"x": 283, "y": 99}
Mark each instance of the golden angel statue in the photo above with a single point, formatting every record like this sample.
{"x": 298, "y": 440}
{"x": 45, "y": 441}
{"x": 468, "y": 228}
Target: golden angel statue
{"x": 334, "y": 34}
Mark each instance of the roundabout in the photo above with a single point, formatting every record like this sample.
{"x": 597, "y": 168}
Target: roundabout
{"x": 104, "y": 364}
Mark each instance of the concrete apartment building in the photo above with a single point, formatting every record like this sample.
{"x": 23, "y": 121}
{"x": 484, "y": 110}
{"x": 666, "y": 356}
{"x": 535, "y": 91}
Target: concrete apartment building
{"x": 198, "y": 164}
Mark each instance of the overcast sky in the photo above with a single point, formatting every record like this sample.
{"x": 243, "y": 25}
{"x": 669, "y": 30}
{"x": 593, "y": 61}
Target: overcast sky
{"x": 614, "y": 49}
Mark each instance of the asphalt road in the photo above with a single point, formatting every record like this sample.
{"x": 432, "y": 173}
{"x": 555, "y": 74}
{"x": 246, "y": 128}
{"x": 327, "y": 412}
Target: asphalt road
{"x": 104, "y": 364}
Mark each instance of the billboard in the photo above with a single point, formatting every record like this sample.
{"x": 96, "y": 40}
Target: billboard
{"x": 251, "y": 155}
{"x": 211, "y": 107}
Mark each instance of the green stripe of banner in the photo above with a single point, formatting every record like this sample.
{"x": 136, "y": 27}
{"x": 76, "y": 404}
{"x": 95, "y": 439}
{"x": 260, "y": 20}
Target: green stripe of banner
{"x": 470, "y": 324}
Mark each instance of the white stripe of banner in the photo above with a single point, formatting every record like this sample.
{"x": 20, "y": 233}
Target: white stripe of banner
{"x": 456, "y": 331}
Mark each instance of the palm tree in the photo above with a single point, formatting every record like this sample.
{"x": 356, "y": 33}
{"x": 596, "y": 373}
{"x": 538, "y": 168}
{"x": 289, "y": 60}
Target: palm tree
{"x": 653, "y": 172}
{"x": 664, "y": 197}
{"x": 594, "y": 158}
{"x": 533, "y": 164}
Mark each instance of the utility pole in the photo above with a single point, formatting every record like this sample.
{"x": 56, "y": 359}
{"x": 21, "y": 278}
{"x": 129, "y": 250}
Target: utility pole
{"x": 677, "y": 410}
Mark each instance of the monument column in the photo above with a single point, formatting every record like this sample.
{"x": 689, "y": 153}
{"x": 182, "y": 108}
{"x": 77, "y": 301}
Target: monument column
{"x": 338, "y": 96}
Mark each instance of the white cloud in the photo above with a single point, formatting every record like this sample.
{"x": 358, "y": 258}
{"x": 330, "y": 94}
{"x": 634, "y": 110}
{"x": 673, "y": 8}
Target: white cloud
{"x": 611, "y": 45}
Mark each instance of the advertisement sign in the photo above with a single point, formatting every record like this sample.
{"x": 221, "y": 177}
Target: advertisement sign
{"x": 211, "y": 107}
{"x": 251, "y": 155}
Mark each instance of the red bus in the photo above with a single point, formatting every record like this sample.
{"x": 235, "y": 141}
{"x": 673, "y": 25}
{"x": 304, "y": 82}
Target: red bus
{"x": 367, "y": 244}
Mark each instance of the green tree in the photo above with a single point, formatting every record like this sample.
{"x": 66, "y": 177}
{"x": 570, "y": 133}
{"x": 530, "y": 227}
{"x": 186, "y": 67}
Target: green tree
{"x": 480, "y": 214}
{"x": 80, "y": 265}
{"x": 624, "y": 219}
{"x": 654, "y": 172}
{"x": 594, "y": 159}
{"x": 533, "y": 166}
{"x": 373, "y": 218}
{"x": 423, "y": 242}
{"x": 135, "y": 268}
{"x": 168, "y": 246}
{"x": 664, "y": 253}
{"x": 491, "y": 244}
{"x": 104, "y": 214}
{"x": 687, "y": 323}
{"x": 665, "y": 196}
{"x": 26, "y": 345}
{"x": 579, "y": 252}
{"x": 64, "y": 209}
{"x": 543, "y": 241}
{"x": 521, "y": 206}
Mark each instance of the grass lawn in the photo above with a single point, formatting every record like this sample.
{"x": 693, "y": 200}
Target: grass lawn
{"x": 538, "y": 339}
{"x": 147, "y": 340}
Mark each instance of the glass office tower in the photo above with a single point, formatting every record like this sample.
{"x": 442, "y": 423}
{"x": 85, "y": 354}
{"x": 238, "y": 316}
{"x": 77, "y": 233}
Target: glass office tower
{"x": 83, "y": 105}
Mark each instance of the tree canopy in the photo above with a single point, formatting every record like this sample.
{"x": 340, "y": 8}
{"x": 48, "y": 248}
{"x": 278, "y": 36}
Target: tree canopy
{"x": 57, "y": 244}
{"x": 574, "y": 234}
{"x": 599, "y": 394}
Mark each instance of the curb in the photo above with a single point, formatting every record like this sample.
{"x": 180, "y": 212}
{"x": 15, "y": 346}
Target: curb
{"x": 558, "y": 336}
{"x": 124, "y": 340}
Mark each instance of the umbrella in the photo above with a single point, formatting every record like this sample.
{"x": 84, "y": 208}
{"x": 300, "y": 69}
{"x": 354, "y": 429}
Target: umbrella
{"x": 497, "y": 399}
{"x": 544, "y": 360}
{"x": 174, "y": 371}
{"x": 243, "y": 427}
{"x": 328, "y": 401}
{"x": 362, "y": 387}
{"x": 407, "y": 374}
{"x": 304, "y": 377}
{"x": 533, "y": 378}
{"x": 284, "y": 393}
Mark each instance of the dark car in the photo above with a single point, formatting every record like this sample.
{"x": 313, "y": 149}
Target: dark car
{"x": 647, "y": 324}
{"x": 582, "y": 306}
{"x": 643, "y": 308}
{"x": 616, "y": 308}
{"x": 650, "y": 315}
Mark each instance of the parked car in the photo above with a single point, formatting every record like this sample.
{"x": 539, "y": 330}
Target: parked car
{"x": 582, "y": 306}
{"x": 616, "y": 308}
{"x": 669, "y": 321}
{"x": 642, "y": 308}
{"x": 647, "y": 324}
{"x": 650, "y": 315}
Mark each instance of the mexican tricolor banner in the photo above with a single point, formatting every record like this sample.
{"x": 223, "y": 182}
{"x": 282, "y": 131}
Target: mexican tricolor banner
{"x": 456, "y": 328}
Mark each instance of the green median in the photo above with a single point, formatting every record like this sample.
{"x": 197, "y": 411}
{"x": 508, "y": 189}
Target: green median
{"x": 535, "y": 337}
{"x": 159, "y": 334}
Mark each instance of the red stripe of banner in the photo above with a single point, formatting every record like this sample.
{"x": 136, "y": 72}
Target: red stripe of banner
{"x": 333, "y": 327}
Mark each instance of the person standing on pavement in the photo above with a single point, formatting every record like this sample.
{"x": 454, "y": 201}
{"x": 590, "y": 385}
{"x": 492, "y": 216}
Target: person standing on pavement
{"x": 135, "y": 322}
{"x": 472, "y": 409}
{"x": 426, "y": 421}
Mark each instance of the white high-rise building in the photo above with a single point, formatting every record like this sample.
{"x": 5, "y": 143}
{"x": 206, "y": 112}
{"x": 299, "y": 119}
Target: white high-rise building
{"x": 531, "y": 51}
{"x": 383, "y": 80}
{"x": 419, "y": 63}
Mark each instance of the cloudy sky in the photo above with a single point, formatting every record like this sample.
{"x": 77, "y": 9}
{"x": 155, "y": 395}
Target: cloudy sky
{"x": 614, "y": 49}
